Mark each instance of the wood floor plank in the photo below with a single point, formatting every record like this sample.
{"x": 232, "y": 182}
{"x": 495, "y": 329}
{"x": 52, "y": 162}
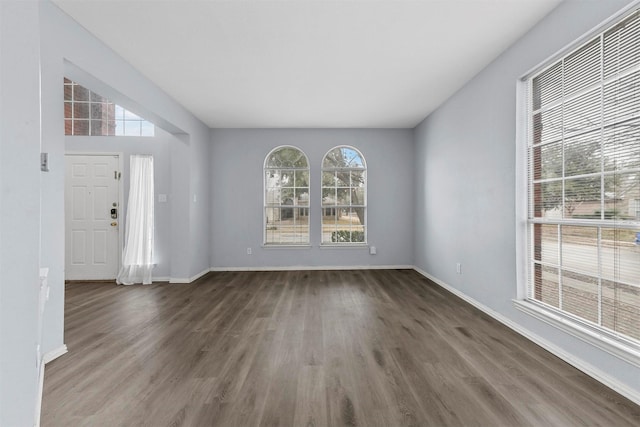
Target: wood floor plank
{"x": 307, "y": 348}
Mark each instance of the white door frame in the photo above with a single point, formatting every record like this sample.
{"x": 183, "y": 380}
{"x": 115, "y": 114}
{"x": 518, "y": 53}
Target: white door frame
{"x": 121, "y": 223}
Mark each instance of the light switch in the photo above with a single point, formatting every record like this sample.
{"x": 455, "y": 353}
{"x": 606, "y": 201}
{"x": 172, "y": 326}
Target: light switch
{"x": 44, "y": 162}
{"x": 162, "y": 198}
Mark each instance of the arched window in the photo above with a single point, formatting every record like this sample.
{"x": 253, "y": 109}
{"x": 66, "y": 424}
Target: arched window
{"x": 286, "y": 197}
{"x": 344, "y": 197}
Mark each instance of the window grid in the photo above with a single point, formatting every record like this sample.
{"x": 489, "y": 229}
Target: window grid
{"x": 344, "y": 206}
{"x": 286, "y": 197}
{"x": 88, "y": 113}
{"x": 584, "y": 180}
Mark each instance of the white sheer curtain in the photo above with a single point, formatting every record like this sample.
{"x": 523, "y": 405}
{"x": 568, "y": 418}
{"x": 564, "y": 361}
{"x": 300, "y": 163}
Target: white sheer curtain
{"x": 137, "y": 257}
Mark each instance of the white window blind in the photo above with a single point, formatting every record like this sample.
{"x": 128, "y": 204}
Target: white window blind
{"x": 584, "y": 182}
{"x": 286, "y": 197}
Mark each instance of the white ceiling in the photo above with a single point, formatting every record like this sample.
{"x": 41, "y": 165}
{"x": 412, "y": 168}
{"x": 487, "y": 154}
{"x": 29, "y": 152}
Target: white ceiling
{"x": 304, "y": 63}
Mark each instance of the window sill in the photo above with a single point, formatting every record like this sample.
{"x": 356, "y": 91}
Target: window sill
{"x": 286, "y": 246}
{"x": 344, "y": 245}
{"x": 622, "y": 348}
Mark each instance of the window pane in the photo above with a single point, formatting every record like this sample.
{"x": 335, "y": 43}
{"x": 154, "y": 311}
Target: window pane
{"x": 96, "y": 111}
{"x": 272, "y": 196}
{"x": 81, "y": 127}
{"x": 343, "y": 179}
{"x": 357, "y": 178}
{"x": 272, "y": 178}
{"x": 620, "y": 256}
{"x": 80, "y": 111}
{"x": 343, "y": 157}
{"x": 582, "y": 68}
{"x": 287, "y": 178}
{"x": 80, "y": 93}
{"x": 328, "y": 179}
{"x": 287, "y": 157}
{"x": 132, "y": 128}
{"x": 119, "y": 130}
{"x": 357, "y": 196}
{"x": 622, "y": 146}
{"x": 328, "y": 232}
{"x": 128, "y": 115}
{"x": 547, "y": 198}
{"x": 545, "y": 247}
{"x": 357, "y": 217}
{"x": 582, "y": 154}
{"x": 344, "y": 196}
{"x": 547, "y": 87}
{"x": 622, "y": 46}
{"x": 580, "y": 249}
{"x": 621, "y": 308}
{"x": 96, "y": 128}
{"x": 302, "y": 196}
{"x": 582, "y": 197}
{"x": 620, "y": 191}
{"x": 302, "y": 178}
{"x": 147, "y": 128}
{"x": 546, "y": 285}
{"x": 548, "y": 161}
{"x": 68, "y": 92}
{"x": 328, "y": 196}
{"x": 580, "y": 295}
{"x": 68, "y": 110}
{"x": 97, "y": 98}
{"x": 119, "y": 113}
{"x": 286, "y": 195}
{"x": 547, "y": 126}
{"x": 621, "y": 99}
{"x": 583, "y": 112}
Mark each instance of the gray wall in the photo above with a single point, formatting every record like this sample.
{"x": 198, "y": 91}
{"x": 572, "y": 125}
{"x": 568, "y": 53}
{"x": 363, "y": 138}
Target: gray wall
{"x": 159, "y": 147}
{"x": 465, "y": 183}
{"x": 66, "y": 49}
{"x": 39, "y": 45}
{"x": 20, "y": 211}
{"x": 237, "y": 159}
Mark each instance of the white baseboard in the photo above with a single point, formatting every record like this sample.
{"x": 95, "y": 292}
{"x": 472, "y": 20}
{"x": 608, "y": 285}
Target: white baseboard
{"x": 587, "y": 368}
{"x": 54, "y": 354}
{"x": 48, "y": 357}
{"x": 315, "y": 268}
{"x": 40, "y": 393}
{"x": 190, "y": 279}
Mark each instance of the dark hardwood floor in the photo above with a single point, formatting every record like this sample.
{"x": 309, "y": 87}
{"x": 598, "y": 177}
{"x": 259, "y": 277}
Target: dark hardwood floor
{"x": 307, "y": 348}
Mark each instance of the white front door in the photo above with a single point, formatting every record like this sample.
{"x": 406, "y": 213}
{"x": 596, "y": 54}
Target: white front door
{"x": 91, "y": 234}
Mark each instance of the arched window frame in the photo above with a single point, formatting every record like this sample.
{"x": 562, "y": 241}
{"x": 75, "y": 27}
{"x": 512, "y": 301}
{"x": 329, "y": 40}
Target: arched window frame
{"x": 333, "y": 205}
{"x": 275, "y": 205}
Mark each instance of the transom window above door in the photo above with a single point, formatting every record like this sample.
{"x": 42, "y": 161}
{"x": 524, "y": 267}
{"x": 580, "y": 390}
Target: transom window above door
{"x": 88, "y": 113}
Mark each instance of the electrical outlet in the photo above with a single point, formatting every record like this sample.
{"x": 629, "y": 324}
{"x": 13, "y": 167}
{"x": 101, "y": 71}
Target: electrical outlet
{"x": 248, "y": 251}
{"x": 373, "y": 250}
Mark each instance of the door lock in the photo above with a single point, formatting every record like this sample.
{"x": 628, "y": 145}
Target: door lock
{"x": 113, "y": 224}
{"x": 114, "y": 214}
